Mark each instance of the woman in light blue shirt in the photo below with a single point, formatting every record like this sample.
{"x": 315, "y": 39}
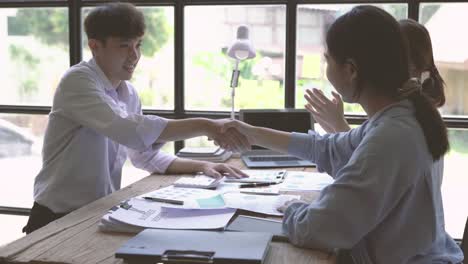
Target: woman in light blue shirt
{"x": 385, "y": 203}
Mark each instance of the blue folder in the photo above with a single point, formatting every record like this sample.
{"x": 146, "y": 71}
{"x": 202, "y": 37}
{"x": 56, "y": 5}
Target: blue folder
{"x": 189, "y": 246}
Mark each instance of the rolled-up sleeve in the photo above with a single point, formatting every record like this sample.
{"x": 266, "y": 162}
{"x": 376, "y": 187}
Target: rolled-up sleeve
{"x": 81, "y": 99}
{"x": 152, "y": 160}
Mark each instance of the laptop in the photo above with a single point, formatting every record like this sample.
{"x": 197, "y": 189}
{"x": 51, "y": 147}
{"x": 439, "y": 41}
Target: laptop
{"x": 288, "y": 120}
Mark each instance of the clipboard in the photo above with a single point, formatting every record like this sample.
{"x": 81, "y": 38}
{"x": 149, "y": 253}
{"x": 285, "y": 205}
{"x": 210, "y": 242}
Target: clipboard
{"x": 189, "y": 246}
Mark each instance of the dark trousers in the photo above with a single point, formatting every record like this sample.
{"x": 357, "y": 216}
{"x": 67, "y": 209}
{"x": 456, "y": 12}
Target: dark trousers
{"x": 39, "y": 217}
{"x": 344, "y": 257}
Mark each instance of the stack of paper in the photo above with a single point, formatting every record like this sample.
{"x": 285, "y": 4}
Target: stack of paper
{"x": 212, "y": 200}
{"x": 137, "y": 214}
{"x": 195, "y": 208}
{"x": 213, "y": 154}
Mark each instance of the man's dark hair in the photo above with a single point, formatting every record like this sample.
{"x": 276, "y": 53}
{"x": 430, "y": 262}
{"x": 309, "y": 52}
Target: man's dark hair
{"x": 121, "y": 20}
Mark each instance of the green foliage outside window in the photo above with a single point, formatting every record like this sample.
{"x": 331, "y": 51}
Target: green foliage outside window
{"x": 46, "y": 24}
{"x": 28, "y": 64}
{"x": 49, "y": 26}
{"x": 252, "y": 92}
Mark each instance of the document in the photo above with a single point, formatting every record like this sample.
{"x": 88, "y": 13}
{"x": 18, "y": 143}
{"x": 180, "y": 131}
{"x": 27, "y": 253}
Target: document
{"x": 142, "y": 213}
{"x": 265, "y": 204}
{"x": 207, "y": 200}
{"x": 305, "y": 181}
{"x": 190, "y": 198}
{"x": 271, "y": 176}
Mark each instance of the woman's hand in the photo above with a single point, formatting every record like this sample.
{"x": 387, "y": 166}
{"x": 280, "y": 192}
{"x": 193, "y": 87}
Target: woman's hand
{"x": 283, "y": 207}
{"x": 328, "y": 113}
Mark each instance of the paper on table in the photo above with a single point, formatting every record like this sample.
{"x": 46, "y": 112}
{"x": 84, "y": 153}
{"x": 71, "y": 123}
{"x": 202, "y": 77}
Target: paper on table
{"x": 305, "y": 181}
{"x": 261, "y": 176}
{"x": 143, "y": 213}
{"x": 182, "y": 194}
{"x": 193, "y": 198}
{"x": 265, "y": 204}
{"x": 108, "y": 225}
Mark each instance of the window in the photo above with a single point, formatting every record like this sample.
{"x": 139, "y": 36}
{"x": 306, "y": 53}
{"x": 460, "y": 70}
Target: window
{"x": 208, "y": 35}
{"x": 35, "y": 53}
{"x": 450, "y": 53}
{"x": 11, "y": 227}
{"x": 310, "y": 64}
{"x": 455, "y": 182}
{"x": 450, "y": 58}
{"x": 21, "y": 138}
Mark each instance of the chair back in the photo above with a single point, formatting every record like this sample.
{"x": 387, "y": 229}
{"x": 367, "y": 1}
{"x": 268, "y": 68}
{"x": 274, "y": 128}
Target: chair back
{"x": 464, "y": 243}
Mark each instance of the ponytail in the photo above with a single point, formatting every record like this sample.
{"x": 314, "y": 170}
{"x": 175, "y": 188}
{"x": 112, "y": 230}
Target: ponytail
{"x": 420, "y": 53}
{"x": 433, "y": 87}
{"x": 434, "y": 129}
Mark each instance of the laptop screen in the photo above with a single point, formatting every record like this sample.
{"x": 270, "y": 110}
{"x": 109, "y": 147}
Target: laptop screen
{"x": 288, "y": 120}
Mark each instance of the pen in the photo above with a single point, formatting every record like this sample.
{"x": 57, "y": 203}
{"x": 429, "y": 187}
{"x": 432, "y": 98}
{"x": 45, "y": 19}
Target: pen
{"x": 259, "y": 193}
{"x": 164, "y": 200}
{"x": 255, "y": 184}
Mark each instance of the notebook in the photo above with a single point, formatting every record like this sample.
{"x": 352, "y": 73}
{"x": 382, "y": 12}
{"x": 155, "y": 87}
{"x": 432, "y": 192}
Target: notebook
{"x": 245, "y": 223}
{"x": 289, "y": 120}
{"x": 188, "y": 246}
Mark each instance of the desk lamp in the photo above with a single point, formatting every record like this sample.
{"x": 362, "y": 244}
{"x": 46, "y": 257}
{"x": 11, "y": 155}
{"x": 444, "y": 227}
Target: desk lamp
{"x": 240, "y": 50}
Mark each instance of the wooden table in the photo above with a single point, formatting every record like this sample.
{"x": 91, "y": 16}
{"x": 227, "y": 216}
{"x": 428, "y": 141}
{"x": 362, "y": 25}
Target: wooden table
{"x": 75, "y": 238}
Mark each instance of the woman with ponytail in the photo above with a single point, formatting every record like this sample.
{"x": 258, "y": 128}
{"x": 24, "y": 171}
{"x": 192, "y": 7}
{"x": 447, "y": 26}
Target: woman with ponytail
{"x": 329, "y": 113}
{"x": 384, "y": 206}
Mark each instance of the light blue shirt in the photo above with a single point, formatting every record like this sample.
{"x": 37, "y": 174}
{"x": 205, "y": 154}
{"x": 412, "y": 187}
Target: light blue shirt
{"x": 385, "y": 204}
{"x": 91, "y": 129}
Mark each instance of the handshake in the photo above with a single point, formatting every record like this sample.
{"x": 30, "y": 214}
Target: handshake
{"x": 231, "y": 134}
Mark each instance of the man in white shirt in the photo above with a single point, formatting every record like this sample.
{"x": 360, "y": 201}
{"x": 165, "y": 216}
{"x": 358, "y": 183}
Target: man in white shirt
{"x": 96, "y": 120}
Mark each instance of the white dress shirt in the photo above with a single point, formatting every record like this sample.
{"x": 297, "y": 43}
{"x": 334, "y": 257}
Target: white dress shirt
{"x": 92, "y": 127}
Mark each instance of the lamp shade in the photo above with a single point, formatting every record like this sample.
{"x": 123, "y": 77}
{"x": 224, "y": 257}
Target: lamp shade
{"x": 241, "y": 49}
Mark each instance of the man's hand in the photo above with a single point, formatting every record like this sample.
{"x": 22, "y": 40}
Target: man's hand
{"x": 228, "y": 137}
{"x": 243, "y": 128}
{"x": 218, "y": 170}
{"x": 283, "y": 207}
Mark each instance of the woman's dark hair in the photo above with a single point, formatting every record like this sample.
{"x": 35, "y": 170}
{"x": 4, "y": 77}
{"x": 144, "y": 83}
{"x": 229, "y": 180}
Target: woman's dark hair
{"x": 422, "y": 58}
{"x": 114, "y": 20}
{"x": 372, "y": 38}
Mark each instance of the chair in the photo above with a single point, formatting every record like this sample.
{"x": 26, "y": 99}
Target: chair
{"x": 464, "y": 242}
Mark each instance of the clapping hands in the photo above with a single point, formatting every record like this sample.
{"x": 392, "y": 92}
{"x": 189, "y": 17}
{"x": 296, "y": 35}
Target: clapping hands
{"x": 328, "y": 113}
